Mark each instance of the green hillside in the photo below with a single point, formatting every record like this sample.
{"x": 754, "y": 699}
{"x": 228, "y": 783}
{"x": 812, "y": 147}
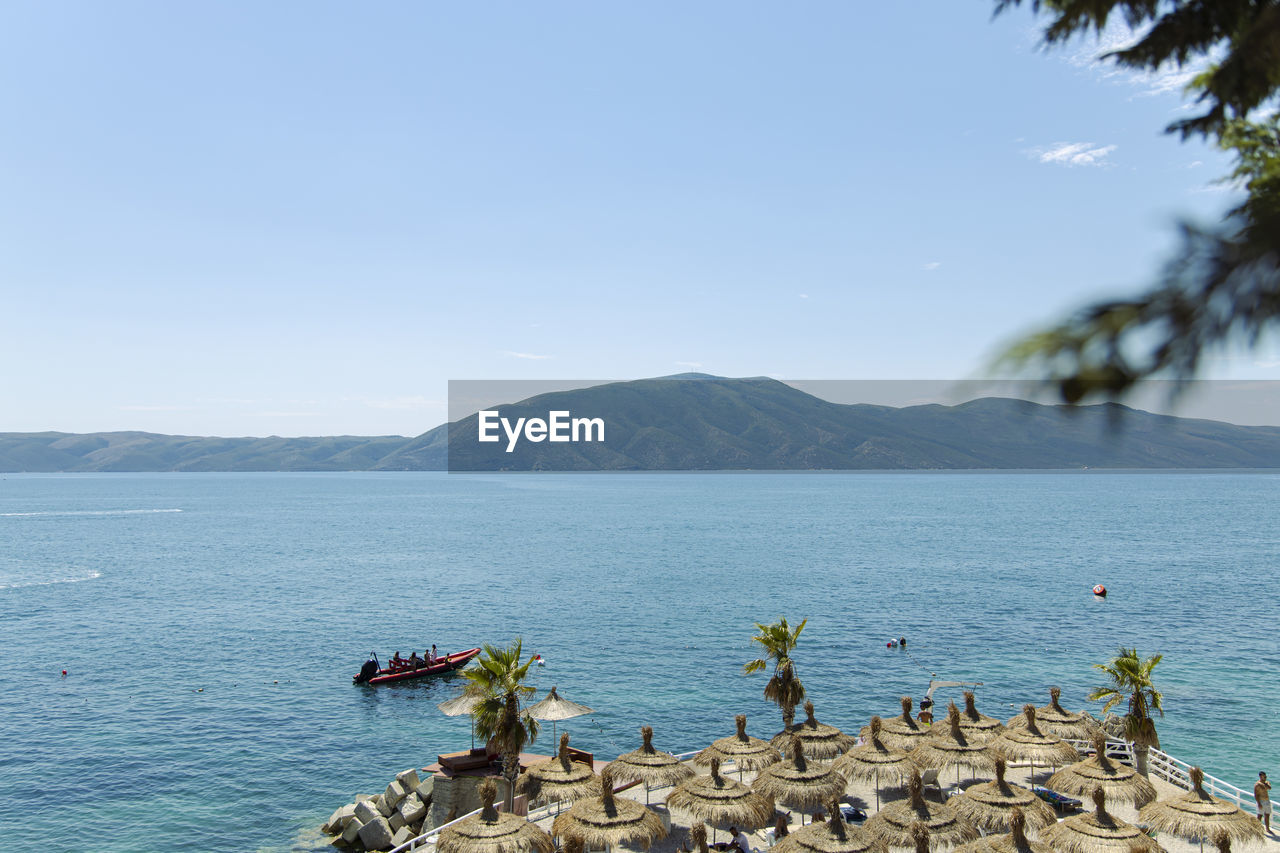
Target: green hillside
{"x": 697, "y": 422}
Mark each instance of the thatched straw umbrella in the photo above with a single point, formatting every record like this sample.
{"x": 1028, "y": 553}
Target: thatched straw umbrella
{"x": 920, "y": 836}
{"x": 721, "y": 802}
{"x": 459, "y": 705}
{"x": 953, "y": 749}
{"x": 1099, "y": 832}
{"x": 991, "y": 805}
{"x": 1056, "y": 720}
{"x": 901, "y": 732}
{"x": 553, "y": 708}
{"x": 979, "y": 728}
{"x": 1199, "y": 816}
{"x": 698, "y": 837}
{"x": 872, "y": 759}
{"x": 832, "y": 836}
{"x": 607, "y": 820}
{"x": 1029, "y": 743}
{"x": 648, "y": 765}
{"x": 1015, "y": 842}
{"x": 820, "y": 741}
{"x": 491, "y": 832}
{"x": 746, "y": 752}
{"x": 559, "y": 778}
{"x": 892, "y": 824}
{"x": 797, "y": 783}
{"x": 1120, "y": 782}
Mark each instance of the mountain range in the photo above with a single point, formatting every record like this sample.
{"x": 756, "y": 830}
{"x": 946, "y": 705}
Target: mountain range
{"x": 698, "y": 422}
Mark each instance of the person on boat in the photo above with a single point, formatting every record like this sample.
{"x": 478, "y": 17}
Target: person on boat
{"x": 414, "y": 660}
{"x": 434, "y": 657}
{"x": 397, "y": 662}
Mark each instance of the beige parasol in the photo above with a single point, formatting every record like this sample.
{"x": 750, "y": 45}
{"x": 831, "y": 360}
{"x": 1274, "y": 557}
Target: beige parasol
{"x": 901, "y": 732}
{"x": 892, "y": 824}
{"x": 1198, "y": 816}
{"x": 977, "y": 727}
{"x": 552, "y": 708}
{"x": 1121, "y": 783}
{"x": 605, "y": 820}
{"x": 873, "y": 758}
{"x": 1098, "y": 832}
{"x": 990, "y": 805}
{"x": 953, "y": 749}
{"x": 648, "y": 765}
{"x": 798, "y": 783}
{"x": 491, "y": 832}
{"x": 746, "y": 752}
{"x": 920, "y": 836}
{"x": 1056, "y": 720}
{"x": 463, "y": 704}
{"x": 559, "y": 779}
{"x": 1015, "y": 842}
{"x": 698, "y": 835}
{"x": 831, "y": 836}
{"x": 1029, "y": 743}
{"x": 720, "y": 801}
{"x": 820, "y": 741}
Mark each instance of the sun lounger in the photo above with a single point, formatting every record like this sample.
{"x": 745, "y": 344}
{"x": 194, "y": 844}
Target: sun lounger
{"x": 853, "y": 815}
{"x": 1061, "y": 802}
{"x": 929, "y": 779}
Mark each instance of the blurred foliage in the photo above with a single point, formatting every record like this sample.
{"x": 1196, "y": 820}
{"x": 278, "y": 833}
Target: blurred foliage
{"x": 1223, "y": 283}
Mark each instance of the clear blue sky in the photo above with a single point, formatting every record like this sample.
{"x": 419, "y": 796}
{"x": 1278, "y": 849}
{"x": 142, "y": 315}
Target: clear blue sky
{"x": 303, "y": 218}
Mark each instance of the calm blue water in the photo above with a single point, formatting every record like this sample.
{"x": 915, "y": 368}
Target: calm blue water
{"x": 210, "y": 623}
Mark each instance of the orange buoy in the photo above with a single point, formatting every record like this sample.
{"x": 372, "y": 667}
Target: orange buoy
{"x": 1100, "y": 590}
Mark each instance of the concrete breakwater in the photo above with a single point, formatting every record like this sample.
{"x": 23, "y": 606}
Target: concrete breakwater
{"x": 385, "y": 820}
{"x": 410, "y": 806}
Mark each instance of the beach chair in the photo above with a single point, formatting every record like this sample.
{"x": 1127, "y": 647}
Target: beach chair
{"x": 929, "y": 779}
{"x": 853, "y": 815}
{"x": 1061, "y": 802}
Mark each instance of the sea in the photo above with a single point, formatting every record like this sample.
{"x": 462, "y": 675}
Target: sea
{"x": 178, "y": 648}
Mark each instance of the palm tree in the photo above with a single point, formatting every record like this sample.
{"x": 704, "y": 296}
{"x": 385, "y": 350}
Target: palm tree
{"x": 783, "y": 689}
{"x": 1131, "y": 680}
{"x": 497, "y": 677}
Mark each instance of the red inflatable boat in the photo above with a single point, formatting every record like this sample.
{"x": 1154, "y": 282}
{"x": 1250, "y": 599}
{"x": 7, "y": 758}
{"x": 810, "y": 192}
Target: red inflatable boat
{"x": 371, "y": 673}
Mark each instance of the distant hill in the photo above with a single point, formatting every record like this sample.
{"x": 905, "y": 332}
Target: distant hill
{"x": 142, "y": 451}
{"x": 695, "y": 422}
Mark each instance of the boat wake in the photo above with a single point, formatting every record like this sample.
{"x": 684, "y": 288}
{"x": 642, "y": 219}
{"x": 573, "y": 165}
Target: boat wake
{"x": 85, "y": 512}
{"x": 88, "y": 576}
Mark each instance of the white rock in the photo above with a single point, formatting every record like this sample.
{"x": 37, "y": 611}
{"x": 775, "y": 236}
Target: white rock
{"x": 351, "y": 831}
{"x": 408, "y": 779}
{"x": 401, "y": 835}
{"x": 395, "y": 821}
{"x": 384, "y": 808}
{"x": 411, "y": 809}
{"x": 376, "y": 835}
{"x": 366, "y": 812}
{"x": 394, "y": 794}
{"x": 424, "y": 789}
{"x": 360, "y": 798}
{"x": 338, "y": 820}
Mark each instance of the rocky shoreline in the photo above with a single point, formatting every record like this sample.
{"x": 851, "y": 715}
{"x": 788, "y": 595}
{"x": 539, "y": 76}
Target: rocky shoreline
{"x": 386, "y": 820}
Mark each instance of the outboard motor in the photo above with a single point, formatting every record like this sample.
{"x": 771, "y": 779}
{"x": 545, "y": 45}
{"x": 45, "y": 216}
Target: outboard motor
{"x": 369, "y": 670}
